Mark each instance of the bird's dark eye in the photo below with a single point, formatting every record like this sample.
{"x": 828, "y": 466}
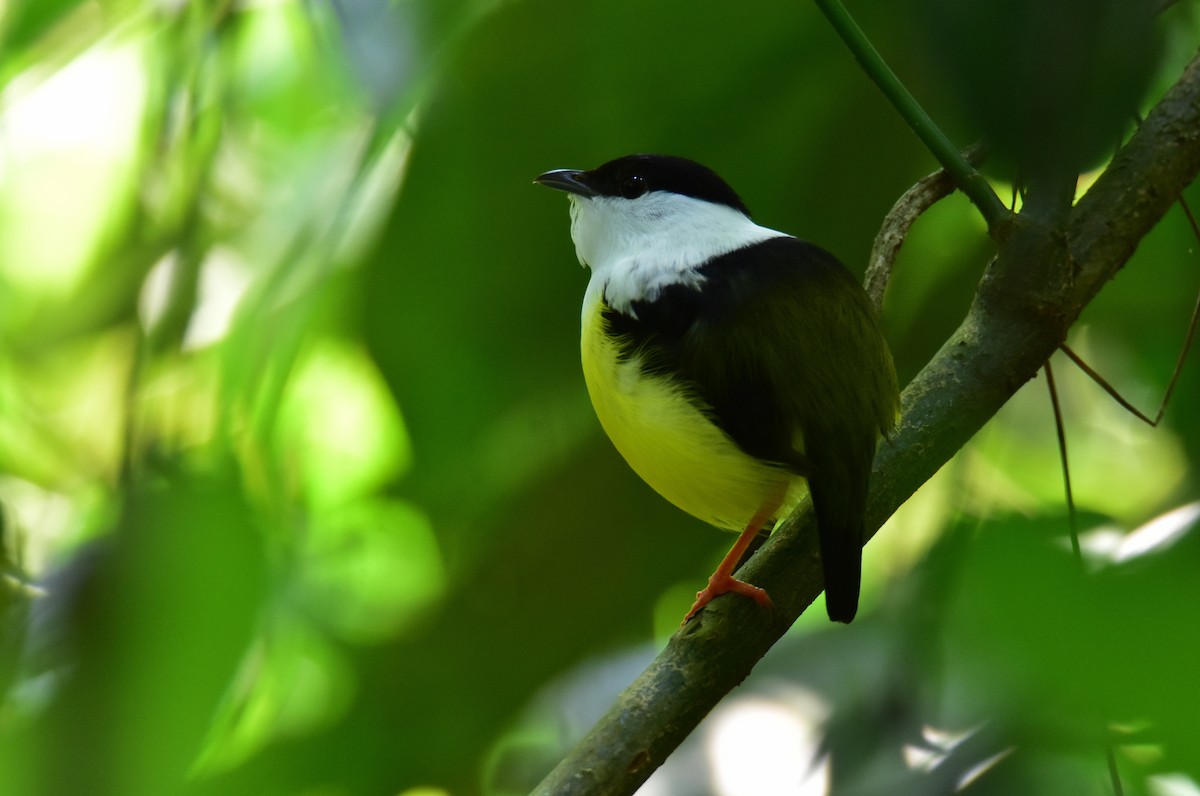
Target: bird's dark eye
{"x": 633, "y": 186}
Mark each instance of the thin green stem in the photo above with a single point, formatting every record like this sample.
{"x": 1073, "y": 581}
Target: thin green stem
{"x": 968, "y": 180}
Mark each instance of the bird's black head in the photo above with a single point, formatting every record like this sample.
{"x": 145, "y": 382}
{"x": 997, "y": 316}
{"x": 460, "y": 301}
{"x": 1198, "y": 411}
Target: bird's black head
{"x": 634, "y": 175}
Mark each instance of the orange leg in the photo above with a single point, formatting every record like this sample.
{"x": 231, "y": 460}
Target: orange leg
{"x": 722, "y": 581}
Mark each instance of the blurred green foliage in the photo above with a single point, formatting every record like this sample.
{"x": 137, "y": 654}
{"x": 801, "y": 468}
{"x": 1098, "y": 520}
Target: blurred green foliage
{"x": 1053, "y": 83}
{"x": 299, "y": 488}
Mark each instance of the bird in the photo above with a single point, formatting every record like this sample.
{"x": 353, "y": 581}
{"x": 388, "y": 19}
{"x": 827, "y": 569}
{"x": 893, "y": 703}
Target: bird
{"x": 734, "y": 367}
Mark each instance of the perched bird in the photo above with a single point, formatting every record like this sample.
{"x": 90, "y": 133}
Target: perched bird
{"x": 733, "y": 366}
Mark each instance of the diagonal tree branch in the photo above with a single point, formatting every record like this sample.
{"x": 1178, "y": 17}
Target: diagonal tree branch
{"x": 1051, "y": 261}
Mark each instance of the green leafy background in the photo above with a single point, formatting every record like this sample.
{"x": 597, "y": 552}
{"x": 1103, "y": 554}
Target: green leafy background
{"x": 299, "y": 486}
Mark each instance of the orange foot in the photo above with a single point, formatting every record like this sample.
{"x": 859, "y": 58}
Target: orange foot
{"x": 720, "y": 584}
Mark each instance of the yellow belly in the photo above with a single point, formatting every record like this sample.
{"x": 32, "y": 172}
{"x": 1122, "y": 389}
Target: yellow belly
{"x": 672, "y": 445}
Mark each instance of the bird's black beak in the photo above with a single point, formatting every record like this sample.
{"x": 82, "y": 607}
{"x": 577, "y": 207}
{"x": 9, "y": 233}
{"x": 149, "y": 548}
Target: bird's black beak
{"x": 569, "y": 180}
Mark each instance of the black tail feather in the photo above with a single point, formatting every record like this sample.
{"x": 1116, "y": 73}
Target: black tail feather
{"x": 841, "y": 561}
{"x": 839, "y": 491}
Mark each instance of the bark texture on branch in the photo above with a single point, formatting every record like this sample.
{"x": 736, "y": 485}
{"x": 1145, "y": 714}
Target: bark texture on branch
{"x": 1040, "y": 280}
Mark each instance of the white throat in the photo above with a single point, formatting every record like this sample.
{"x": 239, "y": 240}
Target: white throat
{"x": 636, "y": 247}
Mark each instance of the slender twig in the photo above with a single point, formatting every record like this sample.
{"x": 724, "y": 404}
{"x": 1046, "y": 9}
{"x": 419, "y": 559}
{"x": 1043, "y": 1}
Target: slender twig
{"x": 1108, "y": 388}
{"x": 928, "y": 191}
{"x": 969, "y": 181}
{"x": 1110, "y": 754}
{"x": 1189, "y": 337}
{"x": 1192, "y": 323}
{"x": 1072, "y": 524}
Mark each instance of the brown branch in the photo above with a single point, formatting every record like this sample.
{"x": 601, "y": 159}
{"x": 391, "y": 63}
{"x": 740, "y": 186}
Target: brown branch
{"x": 1040, "y": 280}
{"x": 928, "y": 191}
